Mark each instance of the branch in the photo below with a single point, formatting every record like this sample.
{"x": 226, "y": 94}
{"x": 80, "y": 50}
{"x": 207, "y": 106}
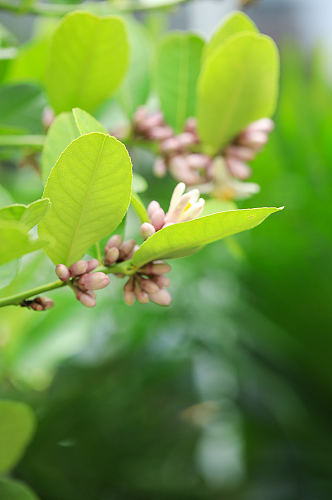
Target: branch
{"x": 59, "y": 10}
{"x": 125, "y": 267}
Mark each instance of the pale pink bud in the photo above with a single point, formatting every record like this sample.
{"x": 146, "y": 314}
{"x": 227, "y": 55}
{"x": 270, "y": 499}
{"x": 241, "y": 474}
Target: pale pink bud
{"x": 94, "y": 281}
{"x": 170, "y": 145}
{"x": 48, "y": 117}
{"x": 238, "y": 168}
{"x": 156, "y": 268}
{"x": 262, "y": 125}
{"x": 159, "y": 167}
{"x": 186, "y": 139}
{"x": 148, "y": 285}
{"x": 46, "y": 302}
{"x": 147, "y": 230}
{"x": 162, "y": 297}
{"x": 88, "y": 298}
{"x": 160, "y": 133}
{"x": 161, "y": 280}
{"x": 140, "y": 115}
{"x": 152, "y": 207}
{"x": 255, "y": 140}
{"x": 128, "y": 292}
{"x": 92, "y": 265}
{"x": 154, "y": 120}
{"x": 36, "y": 306}
{"x": 79, "y": 267}
{"x": 141, "y": 296}
{"x": 111, "y": 256}
{"x": 191, "y": 125}
{"x": 158, "y": 219}
{"x": 240, "y": 152}
{"x": 180, "y": 169}
{"x": 62, "y": 272}
{"x": 198, "y": 161}
{"x": 114, "y": 241}
{"x": 126, "y": 249}
{"x": 41, "y": 304}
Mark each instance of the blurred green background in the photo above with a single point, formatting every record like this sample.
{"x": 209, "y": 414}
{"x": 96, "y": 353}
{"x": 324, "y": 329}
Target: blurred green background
{"x": 227, "y": 394}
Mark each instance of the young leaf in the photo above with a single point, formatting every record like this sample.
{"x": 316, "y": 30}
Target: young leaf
{"x": 89, "y": 189}
{"x": 179, "y": 240}
{"x": 21, "y": 107}
{"x": 88, "y": 60}
{"x": 233, "y": 24}
{"x": 17, "y": 423}
{"x": 7, "y": 273}
{"x": 65, "y": 128}
{"x": 16, "y": 242}
{"x": 238, "y": 85}
{"x": 15, "y": 490}
{"x": 139, "y": 207}
{"x": 28, "y": 215}
{"x": 177, "y": 70}
{"x": 135, "y": 88}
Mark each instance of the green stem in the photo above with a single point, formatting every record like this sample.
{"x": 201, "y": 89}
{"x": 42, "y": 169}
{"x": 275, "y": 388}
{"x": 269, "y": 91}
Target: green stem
{"x": 98, "y": 252}
{"x": 55, "y": 10}
{"x": 125, "y": 267}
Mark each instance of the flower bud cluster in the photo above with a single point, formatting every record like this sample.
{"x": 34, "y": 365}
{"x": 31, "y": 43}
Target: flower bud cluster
{"x": 181, "y": 154}
{"x": 38, "y": 303}
{"x": 117, "y": 250}
{"x": 176, "y": 151}
{"x": 83, "y": 281}
{"x": 149, "y": 283}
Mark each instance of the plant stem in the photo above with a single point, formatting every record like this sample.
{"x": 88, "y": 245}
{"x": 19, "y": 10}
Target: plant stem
{"x": 58, "y": 10}
{"x": 125, "y": 267}
{"x": 22, "y": 140}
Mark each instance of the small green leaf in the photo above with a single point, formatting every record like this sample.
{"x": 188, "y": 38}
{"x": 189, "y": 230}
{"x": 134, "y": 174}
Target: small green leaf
{"x": 31, "y": 61}
{"x": 86, "y": 123}
{"x": 139, "y": 207}
{"x": 177, "y": 70}
{"x": 135, "y": 88}
{"x": 7, "y": 273}
{"x": 88, "y": 60}
{"x": 17, "y": 423}
{"x": 21, "y": 107}
{"x": 89, "y": 189}
{"x": 28, "y": 215}
{"x": 179, "y": 240}
{"x": 233, "y": 24}
{"x": 238, "y": 85}
{"x": 15, "y": 490}
{"x": 16, "y": 242}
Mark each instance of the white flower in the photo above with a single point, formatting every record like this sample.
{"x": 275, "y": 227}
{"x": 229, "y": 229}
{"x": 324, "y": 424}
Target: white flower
{"x": 184, "y": 207}
{"x": 227, "y": 187}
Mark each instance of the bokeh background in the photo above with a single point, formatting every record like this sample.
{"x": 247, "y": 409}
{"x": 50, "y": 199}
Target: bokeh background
{"x": 227, "y": 394}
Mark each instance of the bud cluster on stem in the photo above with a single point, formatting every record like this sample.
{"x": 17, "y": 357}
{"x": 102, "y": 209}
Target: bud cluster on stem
{"x": 182, "y": 155}
{"x": 38, "y": 303}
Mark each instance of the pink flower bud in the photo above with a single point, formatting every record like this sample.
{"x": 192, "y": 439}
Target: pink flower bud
{"x": 152, "y": 207}
{"x": 158, "y": 219}
{"x": 160, "y": 133}
{"x": 147, "y": 230}
{"x": 191, "y": 125}
{"x": 198, "y": 161}
{"x": 36, "y": 306}
{"x": 62, "y": 272}
{"x": 159, "y": 167}
{"x": 253, "y": 139}
{"x": 79, "y": 267}
{"x": 47, "y": 303}
{"x": 240, "y": 152}
{"x": 111, "y": 256}
{"x": 126, "y": 249}
{"x": 154, "y": 120}
{"x": 92, "y": 265}
{"x": 128, "y": 292}
{"x": 162, "y": 297}
{"x": 40, "y": 303}
{"x": 88, "y": 299}
{"x": 238, "y": 168}
{"x": 262, "y": 125}
{"x": 148, "y": 285}
{"x": 186, "y": 139}
{"x": 161, "y": 280}
{"x": 141, "y": 296}
{"x": 48, "y": 117}
{"x": 94, "y": 281}
{"x": 114, "y": 241}
{"x": 156, "y": 268}
{"x": 170, "y": 145}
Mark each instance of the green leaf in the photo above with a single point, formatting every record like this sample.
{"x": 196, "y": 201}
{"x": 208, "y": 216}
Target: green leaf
{"x": 88, "y": 60}
{"x": 17, "y": 423}
{"x": 21, "y": 107}
{"x": 179, "y": 240}
{"x": 16, "y": 242}
{"x": 213, "y": 206}
{"x": 28, "y": 215}
{"x": 233, "y": 24}
{"x": 86, "y": 123}
{"x": 139, "y": 183}
{"x": 177, "y": 70}
{"x": 89, "y": 189}
{"x": 135, "y": 88}
{"x": 139, "y": 207}
{"x": 237, "y": 86}
{"x": 15, "y": 490}
{"x": 7, "y": 273}
{"x": 31, "y": 61}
